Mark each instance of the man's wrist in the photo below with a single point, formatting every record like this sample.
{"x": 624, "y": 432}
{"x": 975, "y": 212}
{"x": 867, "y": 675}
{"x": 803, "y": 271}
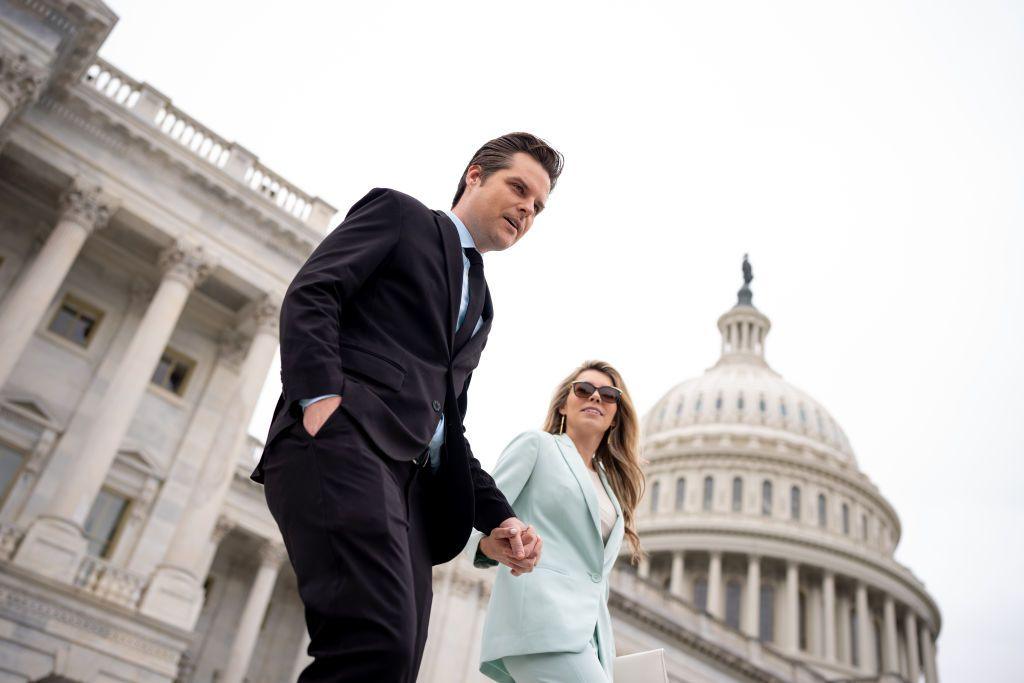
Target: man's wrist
{"x": 481, "y": 559}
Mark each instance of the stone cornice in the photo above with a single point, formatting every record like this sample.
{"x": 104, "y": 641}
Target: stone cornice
{"x": 283, "y": 229}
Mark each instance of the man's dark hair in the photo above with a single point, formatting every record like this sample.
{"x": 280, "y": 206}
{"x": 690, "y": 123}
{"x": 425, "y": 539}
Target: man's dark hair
{"x": 497, "y": 154}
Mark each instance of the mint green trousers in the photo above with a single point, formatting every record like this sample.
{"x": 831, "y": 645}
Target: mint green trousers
{"x": 557, "y": 667}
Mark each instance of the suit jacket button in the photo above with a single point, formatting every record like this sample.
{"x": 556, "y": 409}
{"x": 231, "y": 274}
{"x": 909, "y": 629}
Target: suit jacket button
{"x": 596, "y": 578}
{"x": 436, "y": 405}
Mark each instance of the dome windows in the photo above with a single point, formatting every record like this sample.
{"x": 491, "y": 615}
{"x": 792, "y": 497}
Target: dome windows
{"x": 846, "y": 519}
{"x": 737, "y": 494}
{"x": 655, "y": 491}
{"x": 718, "y": 402}
{"x": 794, "y": 503}
{"x": 864, "y": 526}
{"x": 709, "y": 492}
{"x": 739, "y": 402}
{"x": 766, "y": 498}
{"x": 782, "y": 408}
{"x": 822, "y": 511}
{"x": 680, "y": 493}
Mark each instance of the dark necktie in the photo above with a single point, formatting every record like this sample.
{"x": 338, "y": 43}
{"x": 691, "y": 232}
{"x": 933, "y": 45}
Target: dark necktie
{"x": 476, "y": 297}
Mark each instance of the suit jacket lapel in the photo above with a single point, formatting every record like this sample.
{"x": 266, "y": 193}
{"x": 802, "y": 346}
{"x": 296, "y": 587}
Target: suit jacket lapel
{"x": 575, "y": 462}
{"x": 453, "y": 266}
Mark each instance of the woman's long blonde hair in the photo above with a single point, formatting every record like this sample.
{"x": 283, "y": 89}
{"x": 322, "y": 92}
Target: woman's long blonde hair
{"x": 619, "y": 451}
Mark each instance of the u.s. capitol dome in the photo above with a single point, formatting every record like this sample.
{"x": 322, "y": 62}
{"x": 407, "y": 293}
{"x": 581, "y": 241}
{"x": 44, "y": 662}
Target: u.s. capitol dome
{"x": 757, "y": 512}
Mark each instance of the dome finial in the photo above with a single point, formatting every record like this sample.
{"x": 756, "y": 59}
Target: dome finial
{"x": 745, "y": 297}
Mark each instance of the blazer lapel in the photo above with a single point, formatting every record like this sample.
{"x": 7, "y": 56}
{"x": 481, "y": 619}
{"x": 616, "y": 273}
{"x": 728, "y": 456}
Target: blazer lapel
{"x": 575, "y": 462}
{"x": 611, "y": 548}
{"x": 453, "y": 263}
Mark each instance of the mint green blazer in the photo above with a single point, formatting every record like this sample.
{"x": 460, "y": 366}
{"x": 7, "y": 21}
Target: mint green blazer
{"x": 563, "y": 602}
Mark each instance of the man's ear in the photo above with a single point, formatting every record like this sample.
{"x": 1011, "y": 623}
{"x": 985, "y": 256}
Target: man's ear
{"x": 474, "y": 175}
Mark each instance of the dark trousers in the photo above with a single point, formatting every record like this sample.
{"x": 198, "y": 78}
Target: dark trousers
{"x": 352, "y": 521}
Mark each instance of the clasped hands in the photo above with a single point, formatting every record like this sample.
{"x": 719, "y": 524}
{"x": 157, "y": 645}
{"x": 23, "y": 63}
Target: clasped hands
{"x": 513, "y": 544}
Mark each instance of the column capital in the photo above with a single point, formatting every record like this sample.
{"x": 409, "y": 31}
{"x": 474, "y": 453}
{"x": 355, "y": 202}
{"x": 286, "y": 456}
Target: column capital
{"x": 187, "y": 263}
{"x": 231, "y": 348}
{"x": 266, "y": 315}
{"x": 20, "y": 80}
{"x": 221, "y": 529}
{"x": 272, "y": 554}
{"x": 84, "y": 203}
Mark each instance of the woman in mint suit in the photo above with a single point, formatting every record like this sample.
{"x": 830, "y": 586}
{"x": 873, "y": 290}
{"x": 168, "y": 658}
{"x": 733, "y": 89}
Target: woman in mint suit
{"x": 577, "y": 483}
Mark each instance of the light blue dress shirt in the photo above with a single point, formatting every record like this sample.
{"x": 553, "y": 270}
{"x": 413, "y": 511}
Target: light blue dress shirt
{"x": 466, "y": 240}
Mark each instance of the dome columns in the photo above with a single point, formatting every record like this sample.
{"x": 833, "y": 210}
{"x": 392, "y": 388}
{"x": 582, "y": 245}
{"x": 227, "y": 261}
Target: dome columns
{"x": 834, "y": 619}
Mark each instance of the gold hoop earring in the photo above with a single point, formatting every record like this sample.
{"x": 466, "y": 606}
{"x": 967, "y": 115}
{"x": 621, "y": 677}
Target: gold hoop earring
{"x": 561, "y": 429}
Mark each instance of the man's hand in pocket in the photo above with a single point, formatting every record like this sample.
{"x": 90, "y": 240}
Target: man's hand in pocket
{"x": 314, "y": 416}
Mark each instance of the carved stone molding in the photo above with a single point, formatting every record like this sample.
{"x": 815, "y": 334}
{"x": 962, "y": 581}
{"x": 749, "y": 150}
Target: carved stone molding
{"x": 221, "y": 529}
{"x": 272, "y": 554}
{"x": 187, "y": 263}
{"x": 20, "y": 80}
{"x": 266, "y": 315}
{"x": 85, "y": 204}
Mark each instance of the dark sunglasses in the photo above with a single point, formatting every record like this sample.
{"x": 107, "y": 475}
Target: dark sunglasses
{"x": 584, "y": 389}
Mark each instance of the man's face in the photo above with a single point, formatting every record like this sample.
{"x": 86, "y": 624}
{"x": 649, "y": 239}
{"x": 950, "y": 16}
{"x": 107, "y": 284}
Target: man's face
{"x": 498, "y": 211}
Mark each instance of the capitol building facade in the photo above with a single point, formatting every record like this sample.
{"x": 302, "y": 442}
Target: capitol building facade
{"x": 142, "y": 261}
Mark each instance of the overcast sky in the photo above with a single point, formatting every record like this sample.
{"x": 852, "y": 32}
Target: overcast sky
{"x": 869, "y": 157}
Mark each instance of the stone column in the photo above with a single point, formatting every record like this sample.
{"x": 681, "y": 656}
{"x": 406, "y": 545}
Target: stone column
{"x": 55, "y": 543}
{"x": 20, "y": 83}
{"x": 84, "y": 209}
{"x": 864, "y": 649}
{"x": 913, "y": 655}
{"x": 752, "y": 597}
{"x": 175, "y": 591}
{"x": 675, "y": 582}
{"x": 931, "y": 671}
{"x": 791, "y": 627}
{"x": 643, "y": 570}
{"x": 890, "y": 647}
{"x": 715, "y": 585}
{"x": 206, "y": 418}
{"x": 271, "y": 557}
{"x": 828, "y": 591}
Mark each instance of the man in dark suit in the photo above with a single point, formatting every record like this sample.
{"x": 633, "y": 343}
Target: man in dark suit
{"x": 366, "y": 468}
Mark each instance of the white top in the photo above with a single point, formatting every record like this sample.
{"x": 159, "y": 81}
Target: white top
{"x": 604, "y": 503}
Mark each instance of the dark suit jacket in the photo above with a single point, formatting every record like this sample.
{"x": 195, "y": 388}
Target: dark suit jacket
{"x": 371, "y": 316}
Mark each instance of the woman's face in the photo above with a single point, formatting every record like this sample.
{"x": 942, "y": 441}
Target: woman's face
{"x": 589, "y": 415}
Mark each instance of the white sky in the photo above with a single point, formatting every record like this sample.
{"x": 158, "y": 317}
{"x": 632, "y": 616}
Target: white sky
{"x": 868, "y": 155}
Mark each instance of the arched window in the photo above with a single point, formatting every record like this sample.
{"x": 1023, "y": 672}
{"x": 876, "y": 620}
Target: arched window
{"x": 709, "y": 492}
{"x": 766, "y": 627}
{"x": 802, "y": 620}
{"x": 732, "y": 604}
{"x": 718, "y": 402}
{"x": 794, "y": 503}
{"x": 679, "y": 407}
{"x": 739, "y": 402}
{"x": 782, "y": 408}
{"x": 655, "y": 491}
{"x": 766, "y": 498}
{"x": 864, "y": 526}
{"x": 737, "y": 494}
{"x": 822, "y": 511}
{"x": 700, "y": 593}
{"x": 803, "y": 415}
{"x": 763, "y": 405}
{"x": 846, "y": 519}
{"x": 700, "y": 402}
{"x": 680, "y": 493}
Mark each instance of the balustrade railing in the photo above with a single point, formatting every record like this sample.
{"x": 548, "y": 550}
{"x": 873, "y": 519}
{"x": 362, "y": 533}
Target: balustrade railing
{"x": 10, "y": 536}
{"x": 156, "y": 110}
{"x": 102, "y": 579}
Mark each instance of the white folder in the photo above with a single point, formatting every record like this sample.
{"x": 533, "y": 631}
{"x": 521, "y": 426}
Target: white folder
{"x": 641, "y": 667}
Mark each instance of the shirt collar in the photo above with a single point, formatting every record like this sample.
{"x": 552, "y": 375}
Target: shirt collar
{"x": 465, "y": 238}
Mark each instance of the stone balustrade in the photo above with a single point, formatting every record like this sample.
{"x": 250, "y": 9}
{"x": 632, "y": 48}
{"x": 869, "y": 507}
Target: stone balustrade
{"x": 155, "y": 109}
{"x": 287, "y": 196}
{"x": 115, "y": 584}
{"x": 9, "y": 537}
